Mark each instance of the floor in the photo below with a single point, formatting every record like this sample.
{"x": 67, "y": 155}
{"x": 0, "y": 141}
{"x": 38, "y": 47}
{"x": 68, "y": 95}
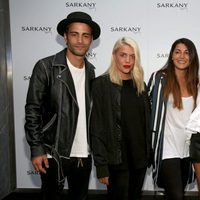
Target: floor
{"x": 92, "y": 196}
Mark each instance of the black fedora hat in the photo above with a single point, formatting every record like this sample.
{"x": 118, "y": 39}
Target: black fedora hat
{"x": 79, "y": 17}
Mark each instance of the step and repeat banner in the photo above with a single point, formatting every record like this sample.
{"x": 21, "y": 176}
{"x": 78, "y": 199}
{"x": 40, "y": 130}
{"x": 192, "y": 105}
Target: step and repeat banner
{"x": 154, "y": 24}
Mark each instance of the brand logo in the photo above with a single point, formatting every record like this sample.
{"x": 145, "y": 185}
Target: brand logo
{"x": 32, "y": 172}
{"x": 26, "y": 78}
{"x": 162, "y": 55}
{"x": 126, "y": 29}
{"x": 89, "y": 5}
{"x": 91, "y": 55}
{"x": 44, "y": 29}
{"x": 181, "y": 6}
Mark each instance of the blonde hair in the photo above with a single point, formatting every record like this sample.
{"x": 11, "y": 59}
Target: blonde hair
{"x": 137, "y": 73}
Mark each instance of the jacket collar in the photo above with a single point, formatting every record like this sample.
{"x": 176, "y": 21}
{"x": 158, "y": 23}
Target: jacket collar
{"x": 66, "y": 77}
{"x": 60, "y": 58}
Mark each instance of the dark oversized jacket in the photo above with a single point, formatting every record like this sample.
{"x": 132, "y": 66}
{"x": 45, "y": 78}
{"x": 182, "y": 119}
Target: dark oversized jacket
{"x": 51, "y": 109}
{"x": 106, "y": 132}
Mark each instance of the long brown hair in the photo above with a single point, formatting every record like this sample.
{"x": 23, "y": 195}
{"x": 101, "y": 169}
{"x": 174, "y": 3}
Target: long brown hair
{"x": 172, "y": 86}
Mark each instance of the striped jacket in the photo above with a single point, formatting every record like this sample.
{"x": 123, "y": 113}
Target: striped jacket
{"x": 158, "y": 105}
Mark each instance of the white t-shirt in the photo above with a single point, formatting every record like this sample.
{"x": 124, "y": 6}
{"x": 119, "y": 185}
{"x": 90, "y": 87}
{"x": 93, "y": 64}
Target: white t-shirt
{"x": 175, "y": 136}
{"x": 193, "y": 125}
{"x": 80, "y": 146}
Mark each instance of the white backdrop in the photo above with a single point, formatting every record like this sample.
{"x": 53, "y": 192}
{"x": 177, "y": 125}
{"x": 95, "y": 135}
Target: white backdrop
{"x": 155, "y": 25}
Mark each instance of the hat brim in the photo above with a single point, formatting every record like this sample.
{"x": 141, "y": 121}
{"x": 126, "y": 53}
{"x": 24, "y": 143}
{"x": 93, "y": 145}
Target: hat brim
{"x": 61, "y": 28}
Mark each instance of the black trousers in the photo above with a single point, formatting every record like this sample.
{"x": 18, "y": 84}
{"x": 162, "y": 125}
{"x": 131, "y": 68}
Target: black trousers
{"x": 77, "y": 172}
{"x": 125, "y": 184}
{"x": 174, "y": 175}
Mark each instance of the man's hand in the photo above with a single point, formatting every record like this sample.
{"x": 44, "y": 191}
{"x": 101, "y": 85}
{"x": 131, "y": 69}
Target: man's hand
{"x": 104, "y": 180}
{"x": 40, "y": 163}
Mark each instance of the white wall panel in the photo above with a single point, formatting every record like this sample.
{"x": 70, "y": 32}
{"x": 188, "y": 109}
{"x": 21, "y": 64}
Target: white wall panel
{"x": 155, "y": 25}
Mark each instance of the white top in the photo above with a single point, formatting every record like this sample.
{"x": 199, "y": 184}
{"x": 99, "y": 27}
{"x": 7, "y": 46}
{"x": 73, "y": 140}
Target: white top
{"x": 80, "y": 146}
{"x": 193, "y": 125}
{"x": 175, "y": 136}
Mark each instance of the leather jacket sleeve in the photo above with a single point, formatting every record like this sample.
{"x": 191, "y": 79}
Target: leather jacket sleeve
{"x": 36, "y": 96}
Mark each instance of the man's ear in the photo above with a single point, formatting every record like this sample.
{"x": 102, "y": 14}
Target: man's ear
{"x": 65, "y": 36}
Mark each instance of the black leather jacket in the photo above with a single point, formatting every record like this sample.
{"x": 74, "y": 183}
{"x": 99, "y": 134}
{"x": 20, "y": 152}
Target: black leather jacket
{"x": 51, "y": 106}
{"x": 106, "y": 132}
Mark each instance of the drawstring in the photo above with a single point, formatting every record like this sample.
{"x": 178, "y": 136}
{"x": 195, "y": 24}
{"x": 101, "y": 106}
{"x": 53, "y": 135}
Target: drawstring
{"x": 80, "y": 163}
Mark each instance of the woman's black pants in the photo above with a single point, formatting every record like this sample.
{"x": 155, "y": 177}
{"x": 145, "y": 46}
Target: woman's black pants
{"x": 126, "y": 184}
{"x": 174, "y": 175}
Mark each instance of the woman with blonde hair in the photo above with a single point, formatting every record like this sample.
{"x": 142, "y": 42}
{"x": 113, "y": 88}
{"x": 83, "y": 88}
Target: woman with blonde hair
{"x": 120, "y": 118}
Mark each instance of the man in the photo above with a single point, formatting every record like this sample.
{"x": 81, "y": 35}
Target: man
{"x": 57, "y": 111}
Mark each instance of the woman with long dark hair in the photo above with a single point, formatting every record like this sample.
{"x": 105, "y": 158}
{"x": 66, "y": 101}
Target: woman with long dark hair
{"x": 173, "y": 91}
